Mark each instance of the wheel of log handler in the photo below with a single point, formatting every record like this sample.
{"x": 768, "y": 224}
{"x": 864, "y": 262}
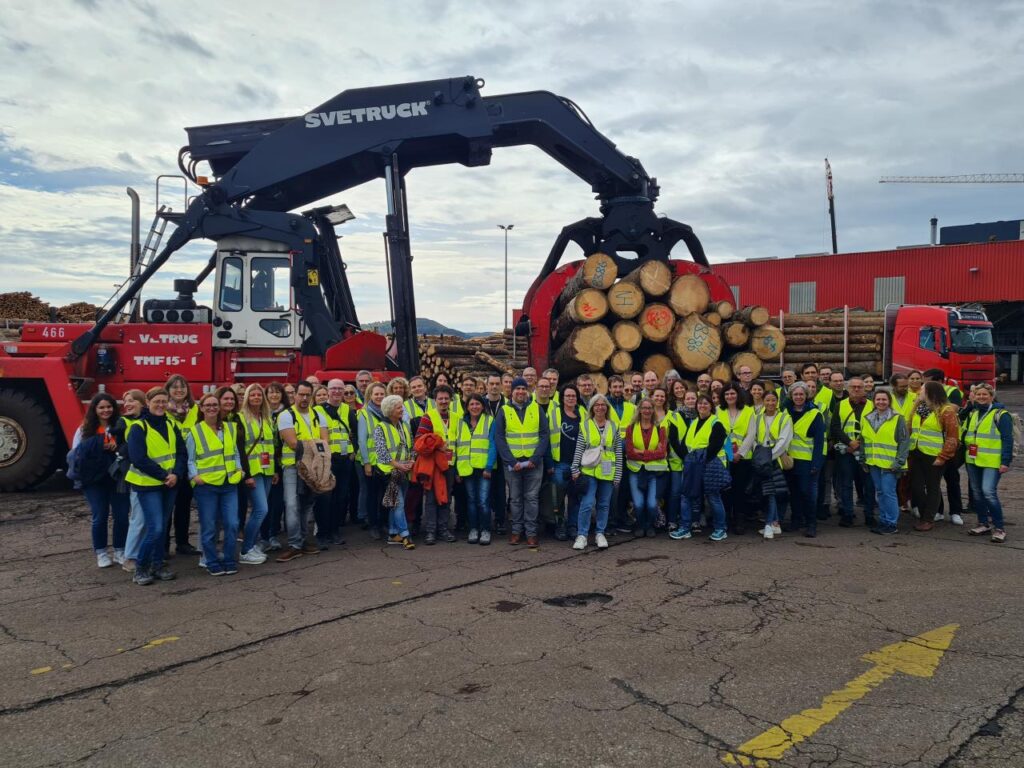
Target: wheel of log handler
{"x": 28, "y": 441}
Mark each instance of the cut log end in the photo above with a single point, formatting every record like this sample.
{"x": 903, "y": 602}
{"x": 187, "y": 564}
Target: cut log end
{"x": 688, "y": 294}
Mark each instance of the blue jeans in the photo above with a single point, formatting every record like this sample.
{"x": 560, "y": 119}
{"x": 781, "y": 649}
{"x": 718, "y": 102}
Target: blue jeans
{"x": 259, "y": 500}
{"x": 567, "y": 503}
{"x": 103, "y": 500}
{"x": 524, "y": 499}
{"x": 675, "y": 494}
{"x": 714, "y": 502}
{"x": 885, "y": 492}
{"x": 803, "y": 495}
{"x": 136, "y": 528}
{"x": 271, "y": 527}
{"x": 297, "y": 508}
{"x": 597, "y": 496}
{"x": 397, "y": 524}
{"x": 218, "y": 505}
{"x": 984, "y": 485}
{"x": 643, "y": 487}
{"x": 847, "y": 468}
{"x": 771, "y": 514}
{"x": 478, "y": 490}
{"x": 157, "y": 506}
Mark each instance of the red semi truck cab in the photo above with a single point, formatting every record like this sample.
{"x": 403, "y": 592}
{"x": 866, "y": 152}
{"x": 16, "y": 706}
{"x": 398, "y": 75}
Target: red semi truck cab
{"x": 958, "y": 341}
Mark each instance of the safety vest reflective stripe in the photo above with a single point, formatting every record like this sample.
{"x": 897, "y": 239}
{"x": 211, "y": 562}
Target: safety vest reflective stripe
{"x": 449, "y": 431}
{"x": 473, "y": 445}
{"x": 905, "y": 407}
{"x": 880, "y": 447}
{"x": 848, "y": 420}
{"x": 926, "y": 436}
{"x": 522, "y": 436}
{"x": 699, "y": 438}
{"x": 605, "y": 439}
{"x": 673, "y": 420}
{"x": 302, "y": 432}
{"x": 216, "y": 461}
{"x": 774, "y": 431}
{"x": 636, "y": 434}
{"x": 986, "y": 436}
{"x": 399, "y": 444}
{"x": 623, "y": 421}
{"x": 737, "y": 429}
{"x": 801, "y": 447}
{"x": 162, "y": 452}
{"x": 416, "y": 410}
{"x": 259, "y": 439}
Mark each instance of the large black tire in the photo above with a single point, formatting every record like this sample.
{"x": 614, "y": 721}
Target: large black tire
{"x": 28, "y": 441}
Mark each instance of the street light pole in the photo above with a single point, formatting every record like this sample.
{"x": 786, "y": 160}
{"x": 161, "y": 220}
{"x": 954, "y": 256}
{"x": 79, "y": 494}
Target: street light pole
{"x": 504, "y": 319}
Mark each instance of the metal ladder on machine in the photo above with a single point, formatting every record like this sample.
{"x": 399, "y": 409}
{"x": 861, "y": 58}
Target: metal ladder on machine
{"x": 163, "y": 215}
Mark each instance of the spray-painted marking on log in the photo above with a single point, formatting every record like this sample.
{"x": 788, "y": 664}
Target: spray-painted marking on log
{"x": 919, "y": 656}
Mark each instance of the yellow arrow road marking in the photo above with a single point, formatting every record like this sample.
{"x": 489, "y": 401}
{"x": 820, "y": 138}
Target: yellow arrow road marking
{"x": 919, "y": 656}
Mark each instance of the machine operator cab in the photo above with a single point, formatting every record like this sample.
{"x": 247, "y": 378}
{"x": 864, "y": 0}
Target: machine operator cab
{"x": 253, "y": 304}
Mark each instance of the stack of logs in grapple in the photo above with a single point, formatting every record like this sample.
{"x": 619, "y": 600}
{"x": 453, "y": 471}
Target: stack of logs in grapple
{"x": 651, "y": 320}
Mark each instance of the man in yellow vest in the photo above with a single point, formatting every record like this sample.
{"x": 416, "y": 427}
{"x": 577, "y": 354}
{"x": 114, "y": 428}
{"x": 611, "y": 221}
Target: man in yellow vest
{"x": 845, "y": 432}
{"x": 831, "y": 390}
{"x": 621, "y": 412}
{"x": 341, "y": 428}
{"x": 441, "y": 421}
{"x": 300, "y": 422}
{"x": 522, "y": 440}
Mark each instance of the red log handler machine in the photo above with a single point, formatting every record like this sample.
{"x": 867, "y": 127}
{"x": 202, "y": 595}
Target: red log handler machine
{"x": 282, "y": 308}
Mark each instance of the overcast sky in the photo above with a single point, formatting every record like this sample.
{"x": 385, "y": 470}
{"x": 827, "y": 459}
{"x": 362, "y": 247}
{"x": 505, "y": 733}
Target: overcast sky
{"x": 732, "y": 106}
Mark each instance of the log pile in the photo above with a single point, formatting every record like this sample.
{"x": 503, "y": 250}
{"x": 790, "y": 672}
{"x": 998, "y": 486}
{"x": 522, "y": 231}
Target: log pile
{"x": 478, "y": 356}
{"x": 818, "y": 338}
{"x": 656, "y": 322}
{"x": 22, "y": 305}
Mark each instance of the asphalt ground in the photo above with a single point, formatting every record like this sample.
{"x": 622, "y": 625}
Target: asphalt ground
{"x": 677, "y": 653}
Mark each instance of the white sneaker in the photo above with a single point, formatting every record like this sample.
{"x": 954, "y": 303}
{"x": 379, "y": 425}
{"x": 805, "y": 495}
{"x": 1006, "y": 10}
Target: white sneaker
{"x": 916, "y": 512}
{"x": 777, "y": 529}
{"x": 580, "y": 544}
{"x": 202, "y": 561}
{"x": 956, "y": 520}
{"x": 602, "y": 542}
{"x": 940, "y": 516}
{"x": 253, "y": 557}
{"x": 119, "y": 556}
{"x": 103, "y": 559}
{"x": 769, "y": 532}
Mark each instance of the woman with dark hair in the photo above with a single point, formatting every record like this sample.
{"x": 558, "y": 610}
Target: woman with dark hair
{"x": 133, "y": 404}
{"x": 96, "y": 447}
{"x": 183, "y": 413}
{"x": 475, "y": 457}
{"x": 704, "y": 442}
{"x": 808, "y": 454}
{"x": 564, "y": 421}
{"x": 934, "y": 440}
{"x": 230, "y": 405}
{"x": 740, "y": 421}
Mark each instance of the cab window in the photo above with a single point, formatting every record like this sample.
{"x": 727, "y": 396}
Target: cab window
{"x": 269, "y": 284}
{"x": 926, "y": 338}
{"x": 230, "y": 299}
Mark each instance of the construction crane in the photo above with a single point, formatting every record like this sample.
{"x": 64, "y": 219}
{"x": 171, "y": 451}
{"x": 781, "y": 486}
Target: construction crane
{"x": 970, "y": 178}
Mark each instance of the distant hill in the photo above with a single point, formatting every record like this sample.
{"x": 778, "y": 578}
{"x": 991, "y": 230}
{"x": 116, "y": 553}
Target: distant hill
{"x": 426, "y": 325}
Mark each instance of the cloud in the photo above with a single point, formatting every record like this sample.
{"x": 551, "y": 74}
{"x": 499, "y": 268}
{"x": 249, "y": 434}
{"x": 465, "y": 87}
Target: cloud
{"x": 733, "y": 110}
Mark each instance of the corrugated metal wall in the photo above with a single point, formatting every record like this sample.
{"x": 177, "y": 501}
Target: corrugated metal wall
{"x": 956, "y": 274}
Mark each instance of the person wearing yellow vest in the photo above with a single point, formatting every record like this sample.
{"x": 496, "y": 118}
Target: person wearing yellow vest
{"x": 845, "y": 434}
{"x": 298, "y": 423}
{"x": 522, "y": 441}
{"x": 600, "y": 474}
{"x": 330, "y": 507}
{"x": 255, "y": 437}
{"x": 706, "y": 440}
{"x": 418, "y": 403}
{"x": 934, "y": 441}
{"x": 951, "y": 469}
{"x": 183, "y": 412}
{"x": 989, "y": 439}
{"x": 394, "y": 458}
{"x": 158, "y": 459}
{"x": 740, "y": 421}
{"x": 886, "y": 438}
{"x": 475, "y": 458}
{"x": 773, "y": 429}
{"x": 215, "y": 467}
{"x": 448, "y": 426}
{"x": 564, "y": 429}
{"x": 903, "y": 402}
{"x": 622, "y": 412}
{"x": 806, "y": 450}
{"x": 647, "y": 461}
{"x": 828, "y": 404}
{"x": 369, "y": 488}
{"x": 133, "y": 403}
{"x": 675, "y": 428}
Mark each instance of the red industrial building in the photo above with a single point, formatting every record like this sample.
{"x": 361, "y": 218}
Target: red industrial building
{"x": 989, "y": 274}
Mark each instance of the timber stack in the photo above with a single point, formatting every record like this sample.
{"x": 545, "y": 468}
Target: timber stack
{"x": 479, "y": 356}
{"x": 829, "y": 338}
{"x": 651, "y": 319}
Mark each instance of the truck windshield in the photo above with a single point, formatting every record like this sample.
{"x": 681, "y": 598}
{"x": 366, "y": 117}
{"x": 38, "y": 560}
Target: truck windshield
{"x": 972, "y": 340}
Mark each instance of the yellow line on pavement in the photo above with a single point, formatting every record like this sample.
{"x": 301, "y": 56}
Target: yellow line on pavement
{"x": 159, "y": 641}
{"x": 919, "y": 656}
